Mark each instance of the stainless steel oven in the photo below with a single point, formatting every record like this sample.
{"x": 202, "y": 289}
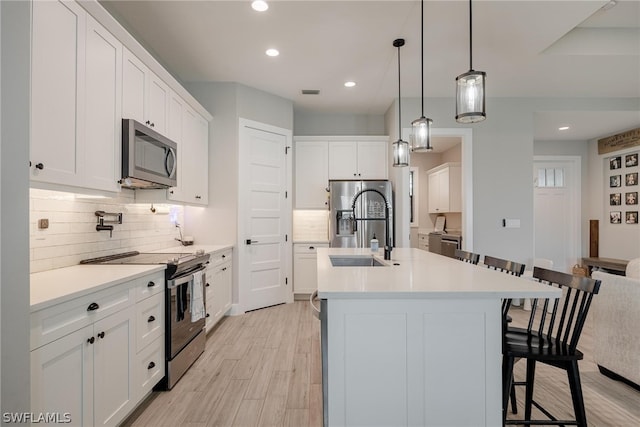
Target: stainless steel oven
{"x": 185, "y": 335}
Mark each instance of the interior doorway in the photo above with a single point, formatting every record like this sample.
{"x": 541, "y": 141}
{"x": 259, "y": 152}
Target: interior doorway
{"x": 557, "y": 212}
{"x": 264, "y": 216}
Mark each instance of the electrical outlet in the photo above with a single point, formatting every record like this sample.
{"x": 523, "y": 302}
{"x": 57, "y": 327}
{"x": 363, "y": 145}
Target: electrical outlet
{"x": 43, "y": 223}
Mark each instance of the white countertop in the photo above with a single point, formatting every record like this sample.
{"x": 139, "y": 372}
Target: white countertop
{"x": 54, "y": 286}
{"x": 420, "y": 274}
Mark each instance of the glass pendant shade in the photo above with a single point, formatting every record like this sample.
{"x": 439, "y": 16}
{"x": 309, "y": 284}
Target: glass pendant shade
{"x": 470, "y": 97}
{"x": 400, "y": 153}
{"x": 421, "y": 135}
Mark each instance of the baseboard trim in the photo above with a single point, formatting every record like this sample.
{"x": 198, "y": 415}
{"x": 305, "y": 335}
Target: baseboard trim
{"x": 607, "y": 373}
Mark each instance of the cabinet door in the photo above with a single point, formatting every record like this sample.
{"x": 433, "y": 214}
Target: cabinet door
{"x": 305, "y": 272}
{"x": 134, "y": 87}
{"x": 193, "y": 152}
{"x": 158, "y": 104}
{"x": 62, "y": 377}
{"x": 443, "y": 190}
{"x": 343, "y": 160}
{"x": 114, "y": 376}
{"x": 57, "y": 91}
{"x": 103, "y": 108}
{"x": 226, "y": 290}
{"x": 201, "y": 160}
{"x": 217, "y": 283}
{"x": 372, "y": 159}
{"x": 312, "y": 174}
{"x": 434, "y": 192}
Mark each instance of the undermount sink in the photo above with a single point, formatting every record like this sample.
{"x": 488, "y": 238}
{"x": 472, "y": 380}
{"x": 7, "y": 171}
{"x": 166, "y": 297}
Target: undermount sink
{"x": 355, "y": 261}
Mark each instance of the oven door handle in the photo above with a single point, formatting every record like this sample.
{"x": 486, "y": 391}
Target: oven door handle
{"x": 174, "y": 283}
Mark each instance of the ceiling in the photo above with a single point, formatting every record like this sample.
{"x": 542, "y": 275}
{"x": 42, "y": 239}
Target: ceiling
{"x": 552, "y": 49}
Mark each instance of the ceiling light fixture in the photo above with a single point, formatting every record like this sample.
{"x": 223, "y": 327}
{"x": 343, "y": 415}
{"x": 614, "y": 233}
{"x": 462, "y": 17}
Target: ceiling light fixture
{"x": 470, "y": 89}
{"x": 259, "y": 5}
{"x": 400, "y": 147}
{"x": 421, "y": 135}
{"x": 563, "y": 128}
{"x": 272, "y": 52}
{"x": 349, "y": 84}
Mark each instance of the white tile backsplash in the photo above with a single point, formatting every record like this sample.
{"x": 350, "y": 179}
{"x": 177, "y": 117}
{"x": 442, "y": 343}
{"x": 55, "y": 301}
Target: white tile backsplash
{"x": 72, "y": 234}
{"x": 310, "y": 225}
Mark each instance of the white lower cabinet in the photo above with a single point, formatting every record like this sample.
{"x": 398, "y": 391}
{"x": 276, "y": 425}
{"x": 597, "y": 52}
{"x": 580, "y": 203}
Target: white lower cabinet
{"x": 305, "y": 269}
{"x": 96, "y": 373}
{"x": 218, "y": 287}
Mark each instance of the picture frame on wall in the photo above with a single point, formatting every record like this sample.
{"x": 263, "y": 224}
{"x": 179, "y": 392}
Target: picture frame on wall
{"x": 615, "y": 199}
{"x": 615, "y": 162}
{"x": 615, "y": 181}
{"x": 631, "y": 160}
{"x": 631, "y": 217}
{"x": 615, "y": 217}
{"x": 631, "y": 198}
{"x": 631, "y": 179}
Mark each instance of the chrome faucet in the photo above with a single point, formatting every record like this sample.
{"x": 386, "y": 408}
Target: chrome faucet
{"x": 387, "y": 245}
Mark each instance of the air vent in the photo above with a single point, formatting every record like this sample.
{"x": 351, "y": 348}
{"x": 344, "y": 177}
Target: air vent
{"x": 310, "y": 92}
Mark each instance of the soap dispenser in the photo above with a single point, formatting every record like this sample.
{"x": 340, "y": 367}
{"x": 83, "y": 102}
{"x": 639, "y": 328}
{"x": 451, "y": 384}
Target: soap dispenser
{"x": 374, "y": 244}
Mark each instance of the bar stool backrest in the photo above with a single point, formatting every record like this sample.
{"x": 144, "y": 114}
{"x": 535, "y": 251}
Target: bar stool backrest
{"x": 469, "y": 257}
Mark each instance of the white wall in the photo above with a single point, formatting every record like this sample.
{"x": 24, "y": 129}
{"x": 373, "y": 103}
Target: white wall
{"x": 15, "y": 28}
{"x": 72, "y": 236}
{"x": 310, "y": 123}
{"x": 621, "y": 241}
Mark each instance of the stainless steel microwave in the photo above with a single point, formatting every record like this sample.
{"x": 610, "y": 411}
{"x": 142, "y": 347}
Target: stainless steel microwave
{"x": 149, "y": 160}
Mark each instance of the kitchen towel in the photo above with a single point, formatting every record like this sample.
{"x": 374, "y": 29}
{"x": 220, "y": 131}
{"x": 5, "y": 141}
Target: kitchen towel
{"x": 197, "y": 297}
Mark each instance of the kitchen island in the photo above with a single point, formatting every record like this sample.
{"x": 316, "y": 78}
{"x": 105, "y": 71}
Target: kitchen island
{"x": 414, "y": 341}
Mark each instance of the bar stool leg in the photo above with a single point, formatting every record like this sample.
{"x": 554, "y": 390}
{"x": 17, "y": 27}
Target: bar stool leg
{"x": 576, "y": 393}
{"x": 531, "y": 373}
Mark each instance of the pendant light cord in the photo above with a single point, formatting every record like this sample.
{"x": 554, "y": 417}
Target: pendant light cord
{"x": 470, "y": 39}
{"x": 399, "y": 101}
{"x": 422, "y": 52}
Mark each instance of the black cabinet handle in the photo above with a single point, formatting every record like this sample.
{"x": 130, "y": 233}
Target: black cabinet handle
{"x": 153, "y": 125}
{"x": 224, "y": 268}
{"x": 198, "y": 197}
{"x": 224, "y": 256}
{"x": 151, "y": 319}
{"x": 208, "y": 315}
{"x": 93, "y": 306}
{"x": 39, "y": 166}
{"x": 151, "y": 365}
{"x": 101, "y": 335}
{"x": 147, "y": 122}
{"x": 91, "y": 340}
{"x": 151, "y": 284}
{"x": 311, "y": 248}
{"x": 207, "y": 285}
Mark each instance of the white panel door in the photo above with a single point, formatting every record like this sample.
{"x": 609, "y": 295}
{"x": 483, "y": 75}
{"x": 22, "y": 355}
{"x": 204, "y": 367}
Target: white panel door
{"x": 556, "y": 212}
{"x": 103, "y": 108}
{"x": 264, "y": 212}
{"x": 134, "y": 87}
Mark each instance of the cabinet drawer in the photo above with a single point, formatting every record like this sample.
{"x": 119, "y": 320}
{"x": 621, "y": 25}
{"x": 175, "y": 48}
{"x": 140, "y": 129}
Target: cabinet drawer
{"x": 219, "y": 257}
{"x": 149, "y": 367}
{"x": 149, "y": 285}
{"x": 54, "y": 322}
{"x": 308, "y": 248}
{"x": 149, "y": 320}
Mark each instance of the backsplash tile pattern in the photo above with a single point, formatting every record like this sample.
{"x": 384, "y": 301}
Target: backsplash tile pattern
{"x": 72, "y": 234}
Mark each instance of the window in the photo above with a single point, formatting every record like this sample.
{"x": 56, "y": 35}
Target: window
{"x": 550, "y": 177}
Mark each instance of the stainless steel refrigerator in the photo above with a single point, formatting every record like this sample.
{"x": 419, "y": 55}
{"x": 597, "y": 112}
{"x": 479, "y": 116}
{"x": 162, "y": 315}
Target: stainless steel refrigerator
{"x": 351, "y": 227}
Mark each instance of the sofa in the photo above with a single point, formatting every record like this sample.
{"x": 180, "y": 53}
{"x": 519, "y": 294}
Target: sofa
{"x": 616, "y": 320}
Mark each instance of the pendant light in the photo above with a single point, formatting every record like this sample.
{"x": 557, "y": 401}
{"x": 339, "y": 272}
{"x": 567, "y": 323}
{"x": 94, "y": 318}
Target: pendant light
{"x": 470, "y": 89}
{"x": 400, "y": 147}
{"x": 421, "y": 135}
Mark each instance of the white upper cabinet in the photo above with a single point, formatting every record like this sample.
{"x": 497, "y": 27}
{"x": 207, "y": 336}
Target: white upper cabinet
{"x": 312, "y": 174}
{"x": 361, "y": 159}
{"x": 76, "y": 90}
{"x": 103, "y": 103}
{"x": 145, "y": 97}
{"x": 193, "y": 160}
{"x": 57, "y": 91}
{"x": 445, "y": 188}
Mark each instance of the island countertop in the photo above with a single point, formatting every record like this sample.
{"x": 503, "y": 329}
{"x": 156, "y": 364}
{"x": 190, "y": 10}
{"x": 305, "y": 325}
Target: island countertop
{"x": 414, "y": 273}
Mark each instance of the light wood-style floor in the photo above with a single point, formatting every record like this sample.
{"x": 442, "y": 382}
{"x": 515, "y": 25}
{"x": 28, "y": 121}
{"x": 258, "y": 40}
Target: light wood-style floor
{"x": 263, "y": 368}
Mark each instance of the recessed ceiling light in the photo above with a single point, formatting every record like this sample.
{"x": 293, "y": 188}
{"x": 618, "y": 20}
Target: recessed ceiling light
{"x": 272, "y": 52}
{"x": 349, "y": 84}
{"x": 259, "y": 5}
{"x": 563, "y": 128}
